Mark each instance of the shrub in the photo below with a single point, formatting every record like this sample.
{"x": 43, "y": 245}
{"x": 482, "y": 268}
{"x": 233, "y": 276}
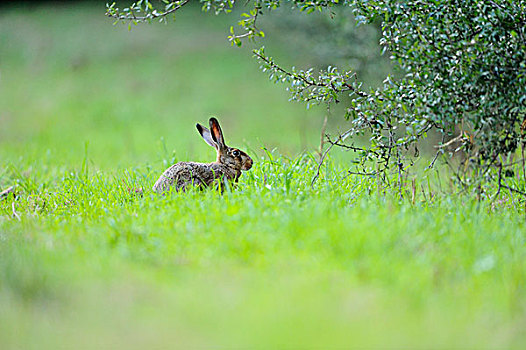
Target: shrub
{"x": 463, "y": 75}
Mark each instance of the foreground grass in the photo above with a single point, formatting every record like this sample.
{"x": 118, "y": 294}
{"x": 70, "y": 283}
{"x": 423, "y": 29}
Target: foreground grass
{"x": 274, "y": 263}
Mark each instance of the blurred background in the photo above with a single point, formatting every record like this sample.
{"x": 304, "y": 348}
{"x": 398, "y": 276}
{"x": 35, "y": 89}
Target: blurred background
{"x": 71, "y": 80}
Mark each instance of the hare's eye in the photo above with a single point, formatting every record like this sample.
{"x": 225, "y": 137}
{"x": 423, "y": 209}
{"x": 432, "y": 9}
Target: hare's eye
{"x": 236, "y": 153}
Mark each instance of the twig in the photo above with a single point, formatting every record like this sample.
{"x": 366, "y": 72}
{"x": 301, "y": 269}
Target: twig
{"x": 7, "y": 191}
{"x": 362, "y": 174}
{"x": 352, "y": 148}
{"x": 152, "y": 15}
{"x": 322, "y": 158}
{"x": 309, "y": 83}
{"x": 514, "y": 190}
{"x": 432, "y": 164}
{"x": 251, "y": 31}
{"x": 501, "y": 185}
{"x": 453, "y": 140}
{"x": 399, "y": 163}
{"x": 464, "y": 185}
{"x": 499, "y": 181}
{"x": 323, "y": 128}
{"x": 513, "y": 163}
{"x": 15, "y": 214}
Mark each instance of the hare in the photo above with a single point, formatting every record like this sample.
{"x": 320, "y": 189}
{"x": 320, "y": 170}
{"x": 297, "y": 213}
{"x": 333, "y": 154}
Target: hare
{"x": 230, "y": 161}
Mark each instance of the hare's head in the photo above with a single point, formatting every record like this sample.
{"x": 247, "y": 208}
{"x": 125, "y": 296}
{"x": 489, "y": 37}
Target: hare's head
{"x": 232, "y": 157}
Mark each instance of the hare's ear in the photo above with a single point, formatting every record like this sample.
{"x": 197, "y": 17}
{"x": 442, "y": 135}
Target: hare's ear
{"x": 205, "y": 133}
{"x": 217, "y": 134}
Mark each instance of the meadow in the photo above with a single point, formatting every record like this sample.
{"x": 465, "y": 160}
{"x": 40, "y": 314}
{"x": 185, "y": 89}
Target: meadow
{"x": 90, "y": 112}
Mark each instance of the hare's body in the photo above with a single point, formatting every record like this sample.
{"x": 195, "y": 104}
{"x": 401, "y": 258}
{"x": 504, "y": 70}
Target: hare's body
{"x": 230, "y": 161}
{"x": 183, "y": 174}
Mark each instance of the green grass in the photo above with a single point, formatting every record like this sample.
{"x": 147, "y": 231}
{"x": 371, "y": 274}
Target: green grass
{"x": 92, "y": 113}
{"x": 267, "y": 265}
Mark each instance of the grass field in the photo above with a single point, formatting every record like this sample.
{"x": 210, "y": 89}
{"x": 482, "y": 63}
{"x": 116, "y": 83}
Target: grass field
{"x": 90, "y": 113}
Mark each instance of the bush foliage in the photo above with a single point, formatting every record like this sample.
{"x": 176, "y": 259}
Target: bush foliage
{"x": 463, "y": 75}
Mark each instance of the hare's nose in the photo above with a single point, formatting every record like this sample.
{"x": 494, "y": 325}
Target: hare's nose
{"x": 248, "y": 164}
